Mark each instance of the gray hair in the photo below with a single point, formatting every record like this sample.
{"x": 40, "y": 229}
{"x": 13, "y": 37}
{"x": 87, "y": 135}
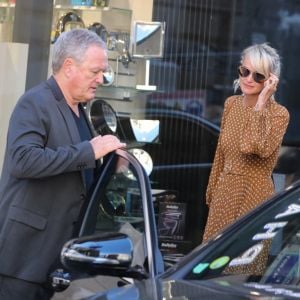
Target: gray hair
{"x": 263, "y": 58}
{"x": 74, "y": 43}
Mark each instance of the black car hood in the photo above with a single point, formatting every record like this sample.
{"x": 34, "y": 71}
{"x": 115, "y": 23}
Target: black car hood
{"x": 222, "y": 289}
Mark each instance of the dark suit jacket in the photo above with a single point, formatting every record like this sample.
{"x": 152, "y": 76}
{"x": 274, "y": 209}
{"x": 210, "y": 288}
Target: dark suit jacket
{"x": 42, "y": 184}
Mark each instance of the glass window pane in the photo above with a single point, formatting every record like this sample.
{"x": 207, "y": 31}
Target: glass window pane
{"x": 117, "y": 202}
{"x": 266, "y": 250}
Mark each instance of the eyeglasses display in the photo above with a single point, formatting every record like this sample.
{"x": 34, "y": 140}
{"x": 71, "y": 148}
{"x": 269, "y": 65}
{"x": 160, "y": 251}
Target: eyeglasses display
{"x": 257, "y": 77}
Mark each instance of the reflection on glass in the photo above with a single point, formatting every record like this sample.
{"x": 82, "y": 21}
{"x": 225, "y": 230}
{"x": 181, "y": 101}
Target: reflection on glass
{"x": 265, "y": 250}
{"x": 148, "y": 39}
{"x": 144, "y": 31}
{"x": 67, "y": 22}
{"x": 145, "y": 130}
{"x": 144, "y": 158}
{"x": 103, "y": 117}
{"x": 122, "y": 196}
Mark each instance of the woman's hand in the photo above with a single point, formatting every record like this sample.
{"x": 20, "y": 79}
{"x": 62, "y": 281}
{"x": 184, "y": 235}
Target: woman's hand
{"x": 270, "y": 86}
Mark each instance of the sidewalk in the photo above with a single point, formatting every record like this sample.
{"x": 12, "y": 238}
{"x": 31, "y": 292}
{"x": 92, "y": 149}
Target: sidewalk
{"x": 82, "y": 288}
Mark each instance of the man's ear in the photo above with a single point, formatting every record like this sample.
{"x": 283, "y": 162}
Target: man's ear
{"x": 68, "y": 67}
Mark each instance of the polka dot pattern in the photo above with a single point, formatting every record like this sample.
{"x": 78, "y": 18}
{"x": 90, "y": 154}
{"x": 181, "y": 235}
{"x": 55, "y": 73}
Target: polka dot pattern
{"x": 246, "y": 155}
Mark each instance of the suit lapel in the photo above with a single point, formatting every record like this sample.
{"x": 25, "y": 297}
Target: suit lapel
{"x": 66, "y": 115}
{"x": 69, "y": 121}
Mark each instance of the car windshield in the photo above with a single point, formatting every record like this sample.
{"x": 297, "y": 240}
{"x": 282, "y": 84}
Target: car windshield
{"x": 264, "y": 248}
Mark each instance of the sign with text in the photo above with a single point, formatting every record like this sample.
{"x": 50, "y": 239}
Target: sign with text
{"x": 171, "y": 220}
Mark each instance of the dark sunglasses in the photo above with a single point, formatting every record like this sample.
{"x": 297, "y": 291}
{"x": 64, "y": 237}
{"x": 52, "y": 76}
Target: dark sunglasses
{"x": 257, "y": 77}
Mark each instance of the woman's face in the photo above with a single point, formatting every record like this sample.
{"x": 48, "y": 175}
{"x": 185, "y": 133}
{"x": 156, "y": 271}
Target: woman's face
{"x": 247, "y": 83}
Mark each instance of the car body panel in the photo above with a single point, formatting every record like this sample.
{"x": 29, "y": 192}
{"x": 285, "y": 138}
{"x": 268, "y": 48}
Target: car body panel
{"x": 222, "y": 289}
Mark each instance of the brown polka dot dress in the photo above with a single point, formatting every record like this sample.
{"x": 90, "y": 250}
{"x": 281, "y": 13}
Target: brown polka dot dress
{"x": 246, "y": 155}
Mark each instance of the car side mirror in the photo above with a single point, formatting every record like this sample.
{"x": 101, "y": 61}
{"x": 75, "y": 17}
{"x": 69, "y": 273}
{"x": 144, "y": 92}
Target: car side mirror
{"x": 106, "y": 254}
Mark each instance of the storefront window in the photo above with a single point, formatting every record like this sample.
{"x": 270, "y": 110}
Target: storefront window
{"x": 203, "y": 43}
{"x": 189, "y": 82}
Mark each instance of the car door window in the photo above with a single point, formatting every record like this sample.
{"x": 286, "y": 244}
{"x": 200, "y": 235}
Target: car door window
{"x": 121, "y": 201}
{"x": 117, "y": 201}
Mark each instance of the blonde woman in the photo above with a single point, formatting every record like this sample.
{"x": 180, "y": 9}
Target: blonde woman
{"x": 252, "y": 128}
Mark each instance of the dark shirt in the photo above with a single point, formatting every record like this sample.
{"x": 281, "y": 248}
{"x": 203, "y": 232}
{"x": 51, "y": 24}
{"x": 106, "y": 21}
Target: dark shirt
{"x": 85, "y": 135}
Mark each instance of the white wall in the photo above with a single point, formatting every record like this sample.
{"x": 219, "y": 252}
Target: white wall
{"x": 12, "y": 84}
{"x": 141, "y": 9}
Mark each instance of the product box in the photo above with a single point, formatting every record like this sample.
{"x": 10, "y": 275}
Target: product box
{"x": 173, "y": 251}
{"x": 171, "y": 220}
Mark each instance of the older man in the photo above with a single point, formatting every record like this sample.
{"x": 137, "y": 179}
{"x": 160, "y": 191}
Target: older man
{"x": 51, "y": 155}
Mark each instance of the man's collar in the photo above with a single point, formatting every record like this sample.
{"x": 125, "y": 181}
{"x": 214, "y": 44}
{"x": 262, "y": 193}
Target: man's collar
{"x": 57, "y": 92}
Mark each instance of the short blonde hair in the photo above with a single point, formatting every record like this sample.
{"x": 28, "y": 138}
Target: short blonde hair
{"x": 263, "y": 58}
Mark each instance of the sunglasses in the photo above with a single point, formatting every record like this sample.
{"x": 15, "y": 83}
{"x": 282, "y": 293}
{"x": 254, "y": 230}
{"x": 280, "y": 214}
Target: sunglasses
{"x": 257, "y": 77}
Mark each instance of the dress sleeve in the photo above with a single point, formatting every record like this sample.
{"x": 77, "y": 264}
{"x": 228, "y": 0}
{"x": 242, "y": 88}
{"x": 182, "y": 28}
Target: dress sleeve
{"x": 218, "y": 163}
{"x": 264, "y": 130}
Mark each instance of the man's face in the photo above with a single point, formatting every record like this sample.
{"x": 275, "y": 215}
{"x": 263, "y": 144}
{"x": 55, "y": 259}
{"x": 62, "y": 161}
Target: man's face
{"x": 87, "y": 75}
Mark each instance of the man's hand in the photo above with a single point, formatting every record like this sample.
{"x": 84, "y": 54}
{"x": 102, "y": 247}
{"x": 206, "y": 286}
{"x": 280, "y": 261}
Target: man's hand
{"x": 102, "y": 145}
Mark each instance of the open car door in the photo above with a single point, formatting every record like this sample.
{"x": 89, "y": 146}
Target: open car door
{"x": 117, "y": 232}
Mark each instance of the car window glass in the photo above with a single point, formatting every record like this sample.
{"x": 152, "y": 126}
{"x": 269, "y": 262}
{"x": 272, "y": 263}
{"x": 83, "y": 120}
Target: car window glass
{"x": 181, "y": 166}
{"x": 266, "y": 250}
{"x": 117, "y": 201}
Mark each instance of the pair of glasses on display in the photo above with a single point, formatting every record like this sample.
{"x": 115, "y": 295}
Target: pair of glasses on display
{"x": 257, "y": 77}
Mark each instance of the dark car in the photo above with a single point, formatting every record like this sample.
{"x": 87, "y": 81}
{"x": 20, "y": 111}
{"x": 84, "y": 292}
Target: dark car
{"x": 257, "y": 257}
{"x": 123, "y": 200}
{"x": 181, "y": 146}
{"x": 223, "y": 288}
{"x": 216, "y": 289}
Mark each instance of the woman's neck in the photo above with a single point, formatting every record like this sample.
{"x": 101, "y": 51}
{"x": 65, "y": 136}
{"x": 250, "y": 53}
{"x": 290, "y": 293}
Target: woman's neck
{"x": 250, "y": 100}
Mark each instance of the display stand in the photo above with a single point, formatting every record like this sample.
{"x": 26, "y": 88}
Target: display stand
{"x": 146, "y": 86}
